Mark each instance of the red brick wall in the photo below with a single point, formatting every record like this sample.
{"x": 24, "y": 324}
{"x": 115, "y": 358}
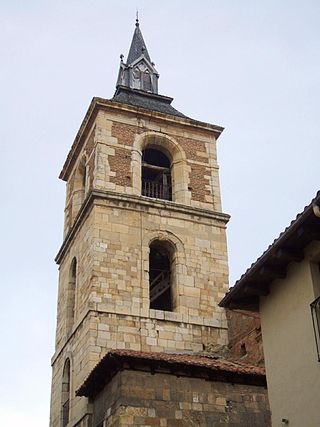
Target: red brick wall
{"x": 192, "y": 147}
{"x": 198, "y": 182}
{"x": 125, "y": 133}
{"x": 120, "y": 164}
{"x": 245, "y": 332}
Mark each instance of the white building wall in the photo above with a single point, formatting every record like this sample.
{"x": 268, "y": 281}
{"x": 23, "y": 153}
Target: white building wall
{"x": 293, "y": 371}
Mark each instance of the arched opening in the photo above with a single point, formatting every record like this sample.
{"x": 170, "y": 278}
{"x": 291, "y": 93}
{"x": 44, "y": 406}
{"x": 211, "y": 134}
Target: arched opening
{"x": 176, "y": 166}
{"x": 79, "y": 188}
{"x": 71, "y": 296}
{"x": 65, "y": 395}
{"x": 161, "y": 258}
{"x": 156, "y": 174}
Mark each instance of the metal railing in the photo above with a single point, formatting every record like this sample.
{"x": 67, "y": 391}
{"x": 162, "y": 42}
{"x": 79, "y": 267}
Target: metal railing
{"x": 159, "y": 285}
{"x": 156, "y": 190}
{"x": 315, "y": 312}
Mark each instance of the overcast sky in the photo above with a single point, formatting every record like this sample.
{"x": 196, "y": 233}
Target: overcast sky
{"x": 250, "y": 66}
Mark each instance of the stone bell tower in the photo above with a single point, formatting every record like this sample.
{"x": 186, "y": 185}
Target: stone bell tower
{"x": 143, "y": 263}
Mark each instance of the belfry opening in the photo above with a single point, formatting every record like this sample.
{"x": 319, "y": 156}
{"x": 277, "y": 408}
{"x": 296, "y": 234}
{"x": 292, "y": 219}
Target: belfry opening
{"x": 160, "y": 275}
{"x": 156, "y": 174}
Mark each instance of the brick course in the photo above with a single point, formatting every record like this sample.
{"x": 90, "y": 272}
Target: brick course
{"x": 120, "y": 164}
{"x": 125, "y": 133}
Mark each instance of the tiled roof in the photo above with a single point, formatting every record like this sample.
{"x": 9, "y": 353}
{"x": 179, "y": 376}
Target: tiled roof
{"x": 293, "y": 237}
{"x": 211, "y": 368}
{"x": 193, "y": 360}
{"x": 153, "y": 102}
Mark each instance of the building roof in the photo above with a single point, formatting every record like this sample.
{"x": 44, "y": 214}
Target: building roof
{"x": 138, "y": 46}
{"x": 148, "y": 101}
{"x": 210, "y": 368}
{"x": 139, "y": 71}
{"x": 273, "y": 263}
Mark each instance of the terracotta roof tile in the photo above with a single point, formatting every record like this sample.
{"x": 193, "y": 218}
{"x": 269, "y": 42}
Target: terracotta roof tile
{"x": 185, "y": 364}
{"x": 193, "y": 360}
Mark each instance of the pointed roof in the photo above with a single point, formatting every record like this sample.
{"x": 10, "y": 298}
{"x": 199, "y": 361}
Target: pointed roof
{"x": 137, "y": 82}
{"x": 138, "y": 46}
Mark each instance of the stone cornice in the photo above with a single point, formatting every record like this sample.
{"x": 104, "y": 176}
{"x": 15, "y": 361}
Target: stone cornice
{"x": 105, "y": 104}
{"x": 133, "y": 200}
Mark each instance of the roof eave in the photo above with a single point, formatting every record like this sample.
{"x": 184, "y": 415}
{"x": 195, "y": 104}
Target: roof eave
{"x": 116, "y": 360}
{"x": 255, "y": 282}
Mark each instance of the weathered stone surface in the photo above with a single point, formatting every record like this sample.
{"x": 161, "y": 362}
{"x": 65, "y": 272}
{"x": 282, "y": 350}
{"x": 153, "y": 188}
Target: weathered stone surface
{"x": 138, "y": 399}
{"x": 109, "y": 227}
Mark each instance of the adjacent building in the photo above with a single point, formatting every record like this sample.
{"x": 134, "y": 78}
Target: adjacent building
{"x": 284, "y": 286}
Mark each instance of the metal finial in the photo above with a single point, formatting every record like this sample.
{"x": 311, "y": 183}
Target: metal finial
{"x": 121, "y": 57}
{"x": 137, "y": 18}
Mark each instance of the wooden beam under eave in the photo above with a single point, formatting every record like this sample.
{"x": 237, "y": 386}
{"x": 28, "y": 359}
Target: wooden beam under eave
{"x": 269, "y": 273}
{"x": 261, "y": 289}
{"x": 309, "y": 232}
{"x": 288, "y": 254}
{"x": 250, "y": 303}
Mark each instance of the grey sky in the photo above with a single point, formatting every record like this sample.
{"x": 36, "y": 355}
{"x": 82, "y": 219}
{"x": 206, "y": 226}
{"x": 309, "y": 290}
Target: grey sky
{"x": 250, "y": 66}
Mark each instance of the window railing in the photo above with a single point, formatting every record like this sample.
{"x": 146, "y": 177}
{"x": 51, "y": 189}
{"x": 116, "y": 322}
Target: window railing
{"x": 315, "y": 312}
{"x": 159, "y": 285}
{"x": 156, "y": 190}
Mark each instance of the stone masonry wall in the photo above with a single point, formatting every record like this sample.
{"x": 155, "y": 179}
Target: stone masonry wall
{"x": 124, "y": 229}
{"x": 83, "y": 254}
{"x": 99, "y": 332}
{"x": 112, "y": 248}
{"x": 87, "y": 155}
{"x": 111, "y": 245}
{"x": 117, "y": 135}
{"x": 139, "y": 399}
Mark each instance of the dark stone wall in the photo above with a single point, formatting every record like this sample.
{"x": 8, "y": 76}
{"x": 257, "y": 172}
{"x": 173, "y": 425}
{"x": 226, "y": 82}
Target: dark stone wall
{"x": 135, "y": 398}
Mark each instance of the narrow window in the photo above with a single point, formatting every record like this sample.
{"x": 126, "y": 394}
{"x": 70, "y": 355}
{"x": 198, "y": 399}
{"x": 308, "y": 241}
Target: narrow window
{"x": 79, "y": 188}
{"x": 65, "y": 397}
{"x": 146, "y": 81}
{"x": 160, "y": 276}
{"x": 156, "y": 174}
{"x": 71, "y": 296}
{"x": 136, "y": 78}
{"x": 243, "y": 350}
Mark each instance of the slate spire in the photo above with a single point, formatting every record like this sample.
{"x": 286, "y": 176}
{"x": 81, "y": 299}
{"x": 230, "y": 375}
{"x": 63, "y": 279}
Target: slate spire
{"x": 138, "y": 46}
{"x": 138, "y": 72}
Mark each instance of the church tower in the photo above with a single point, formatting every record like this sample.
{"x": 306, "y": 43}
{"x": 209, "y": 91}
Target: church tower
{"x": 143, "y": 263}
